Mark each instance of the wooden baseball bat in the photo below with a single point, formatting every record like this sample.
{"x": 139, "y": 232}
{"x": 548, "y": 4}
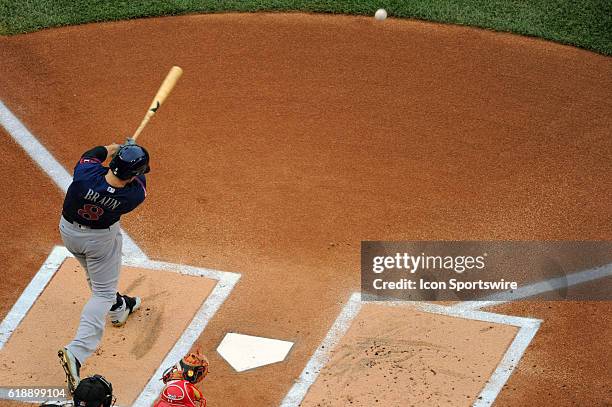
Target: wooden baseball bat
{"x": 161, "y": 95}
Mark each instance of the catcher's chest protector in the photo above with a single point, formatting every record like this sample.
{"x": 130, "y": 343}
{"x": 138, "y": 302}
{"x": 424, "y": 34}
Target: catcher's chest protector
{"x": 180, "y": 393}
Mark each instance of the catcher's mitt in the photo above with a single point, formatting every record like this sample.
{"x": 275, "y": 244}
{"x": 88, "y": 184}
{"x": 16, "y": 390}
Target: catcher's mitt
{"x": 193, "y": 368}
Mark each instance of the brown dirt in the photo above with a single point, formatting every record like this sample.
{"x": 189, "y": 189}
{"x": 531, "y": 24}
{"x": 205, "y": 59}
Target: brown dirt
{"x": 127, "y": 356}
{"x": 291, "y": 138}
{"x": 399, "y": 357}
{"x": 568, "y": 360}
{"x": 28, "y": 220}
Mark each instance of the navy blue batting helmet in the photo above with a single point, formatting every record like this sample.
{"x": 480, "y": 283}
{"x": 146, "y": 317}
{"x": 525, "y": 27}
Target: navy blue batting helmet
{"x": 130, "y": 160}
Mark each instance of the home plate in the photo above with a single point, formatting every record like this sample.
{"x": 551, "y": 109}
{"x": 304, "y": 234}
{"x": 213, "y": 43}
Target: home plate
{"x": 244, "y": 352}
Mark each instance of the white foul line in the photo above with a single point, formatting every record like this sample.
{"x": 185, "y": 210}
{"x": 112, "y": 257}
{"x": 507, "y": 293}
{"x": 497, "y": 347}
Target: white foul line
{"x": 37, "y": 152}
{"x": 468, "y": 309}
{"x": 540, "y": 287}
{"x": 132, "y": 256}
{"x": 47, "y": 162}
{"x": 135, "y": 256}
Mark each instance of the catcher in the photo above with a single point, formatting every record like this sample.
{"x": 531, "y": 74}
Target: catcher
{"x": 180, "y": 381}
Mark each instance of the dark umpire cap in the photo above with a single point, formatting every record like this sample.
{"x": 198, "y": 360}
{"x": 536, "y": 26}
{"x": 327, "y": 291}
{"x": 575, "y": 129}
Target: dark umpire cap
{"x": 93, "y": 392}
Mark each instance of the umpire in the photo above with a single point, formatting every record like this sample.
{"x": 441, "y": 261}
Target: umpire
{"x": 94, "y": 391}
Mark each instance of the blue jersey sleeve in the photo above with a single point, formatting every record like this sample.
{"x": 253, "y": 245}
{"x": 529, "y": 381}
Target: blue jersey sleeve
{"x": 90, "y": 163}
{"x": 140, "y": 191}
{"x": 99, "y": 152}
{"x": 92, "y": 201}
{"x": 143, "y": 181}
{"x": 88, "y": 167}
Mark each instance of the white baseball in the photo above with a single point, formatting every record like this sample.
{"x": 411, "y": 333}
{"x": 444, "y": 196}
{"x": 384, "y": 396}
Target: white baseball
{"x": 380, "y": 14}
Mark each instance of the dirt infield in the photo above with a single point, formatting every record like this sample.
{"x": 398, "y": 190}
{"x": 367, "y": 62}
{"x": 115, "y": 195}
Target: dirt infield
{"x": 566, "y": 358}
{"x": 402, "y": 357}
{"x": 25, "y": 243}
{"x": 291, "y": 138}
{"x": 157, "y": 327}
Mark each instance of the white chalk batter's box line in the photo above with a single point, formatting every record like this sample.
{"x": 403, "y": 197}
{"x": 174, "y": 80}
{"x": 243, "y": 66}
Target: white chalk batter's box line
{"x": 468, "y": 310}
{"x": 225, "y": 284}
{"x": 136, "y": 257}
{"x": 132, "y": 256}
{"x": 527, "y": 330}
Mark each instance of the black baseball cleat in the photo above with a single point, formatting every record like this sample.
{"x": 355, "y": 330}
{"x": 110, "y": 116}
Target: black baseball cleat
{"x": 71, "y": 367}
{"x": 124, "y": 307}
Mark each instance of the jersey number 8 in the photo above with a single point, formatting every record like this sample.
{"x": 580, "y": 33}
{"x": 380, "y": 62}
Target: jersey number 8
{"x": 91, "y": 212}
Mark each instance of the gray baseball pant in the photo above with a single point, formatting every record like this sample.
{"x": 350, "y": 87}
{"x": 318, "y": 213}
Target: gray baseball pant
{"x": 99, "y": 252}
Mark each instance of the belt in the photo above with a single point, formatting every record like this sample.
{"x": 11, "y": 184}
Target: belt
{"x": 80, "y": 226}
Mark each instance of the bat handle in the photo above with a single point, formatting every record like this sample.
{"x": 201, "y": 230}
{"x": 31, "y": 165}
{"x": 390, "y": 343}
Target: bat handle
{"x": 143, "y": 124}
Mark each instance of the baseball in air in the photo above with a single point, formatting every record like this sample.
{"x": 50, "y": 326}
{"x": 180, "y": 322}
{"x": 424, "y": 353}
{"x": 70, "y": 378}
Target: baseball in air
{"x": 380, "y": 14}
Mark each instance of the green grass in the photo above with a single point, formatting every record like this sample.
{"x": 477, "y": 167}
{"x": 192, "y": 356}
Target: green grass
{"x": 583, "y": 23}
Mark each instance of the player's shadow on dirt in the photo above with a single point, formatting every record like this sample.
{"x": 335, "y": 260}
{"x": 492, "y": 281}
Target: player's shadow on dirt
{"x": 145, "y": 342}
{"x": 134, "y": 284}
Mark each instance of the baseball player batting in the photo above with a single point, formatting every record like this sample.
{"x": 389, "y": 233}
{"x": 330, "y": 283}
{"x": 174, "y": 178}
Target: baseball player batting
{"x": 89, "y": 226}
{"x": 95, "y": 201}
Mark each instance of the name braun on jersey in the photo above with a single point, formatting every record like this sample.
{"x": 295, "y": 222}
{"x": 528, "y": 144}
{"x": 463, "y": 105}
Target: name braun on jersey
{"x": 106, "y": 201}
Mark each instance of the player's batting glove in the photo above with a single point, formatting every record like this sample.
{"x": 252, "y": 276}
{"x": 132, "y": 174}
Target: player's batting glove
{"x": 130, "y": 141}
{"x": 117, "y": 147}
